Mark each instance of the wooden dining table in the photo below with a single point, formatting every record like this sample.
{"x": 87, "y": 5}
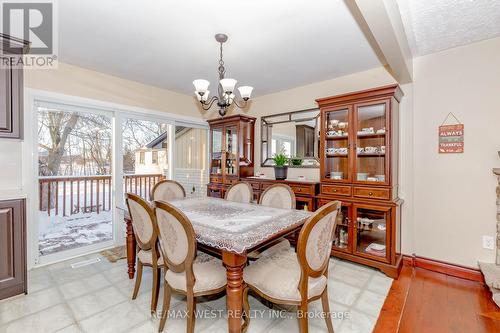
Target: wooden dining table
{"x": 231, "y": 230}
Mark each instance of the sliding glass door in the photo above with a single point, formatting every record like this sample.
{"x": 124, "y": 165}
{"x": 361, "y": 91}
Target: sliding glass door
{"x": 75, "y": 190}
{"x": 145, "y": 154}
{"x": 88, "y": 158}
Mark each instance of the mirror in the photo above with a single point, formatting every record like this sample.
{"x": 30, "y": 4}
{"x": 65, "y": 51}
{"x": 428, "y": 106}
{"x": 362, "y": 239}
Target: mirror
{"x": 294, "y": 133}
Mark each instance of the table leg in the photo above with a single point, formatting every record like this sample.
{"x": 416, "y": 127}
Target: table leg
{"x": 131, "y": 247}
{"x": 234, "y": 270}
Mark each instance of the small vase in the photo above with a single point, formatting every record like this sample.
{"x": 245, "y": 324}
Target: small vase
{"x": 280, "y": 172}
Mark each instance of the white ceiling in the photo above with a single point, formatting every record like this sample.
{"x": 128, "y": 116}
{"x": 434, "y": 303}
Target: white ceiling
{"x": 435, "y": 25}
{"x": 273, "y": 45}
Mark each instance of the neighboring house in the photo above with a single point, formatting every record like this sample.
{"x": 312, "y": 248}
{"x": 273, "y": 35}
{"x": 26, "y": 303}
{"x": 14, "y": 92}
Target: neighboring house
{"x": 153, "y": 157}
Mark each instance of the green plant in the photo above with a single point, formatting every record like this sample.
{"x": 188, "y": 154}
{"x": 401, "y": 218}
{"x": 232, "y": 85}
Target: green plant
{"x": 297, "y": 161}
{"x": 280, "y": 159}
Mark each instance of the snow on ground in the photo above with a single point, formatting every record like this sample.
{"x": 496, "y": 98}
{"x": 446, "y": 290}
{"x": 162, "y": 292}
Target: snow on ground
{"x": 58, "y": 233}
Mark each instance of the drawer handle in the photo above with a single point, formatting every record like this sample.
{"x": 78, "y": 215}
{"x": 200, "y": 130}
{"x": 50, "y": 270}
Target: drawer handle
{"x": 299, "y": 190}
{"x": 334, "y": 191}
{"x": 370, "y": 193}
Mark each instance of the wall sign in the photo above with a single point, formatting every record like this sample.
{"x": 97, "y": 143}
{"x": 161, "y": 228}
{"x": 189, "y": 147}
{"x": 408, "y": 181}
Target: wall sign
{"x": 451, "y": 136}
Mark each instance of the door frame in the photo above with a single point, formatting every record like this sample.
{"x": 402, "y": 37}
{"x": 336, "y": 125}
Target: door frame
{"x": 30, "y": 164}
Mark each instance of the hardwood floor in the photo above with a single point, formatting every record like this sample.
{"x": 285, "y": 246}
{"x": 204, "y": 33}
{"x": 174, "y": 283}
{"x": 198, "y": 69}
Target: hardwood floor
{"x": 426, "y": 301}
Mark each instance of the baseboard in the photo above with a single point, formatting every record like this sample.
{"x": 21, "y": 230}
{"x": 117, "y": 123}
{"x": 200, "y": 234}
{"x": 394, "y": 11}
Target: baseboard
{"x": 458, "y": 271}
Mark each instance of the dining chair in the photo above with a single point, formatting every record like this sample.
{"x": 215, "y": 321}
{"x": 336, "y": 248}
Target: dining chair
{"x": 276, "y": 196}
{"x": 187, "y": 271}
{"x": 297, "y": 278}
{"x": 146, "y": 235}
{"x": 240, "y": 192}
{"x": 167, "y": 190}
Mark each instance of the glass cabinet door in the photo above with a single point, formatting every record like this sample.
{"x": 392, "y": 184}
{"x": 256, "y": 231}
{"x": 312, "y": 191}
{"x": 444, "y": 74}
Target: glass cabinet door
{"x": 341, "y": 240}
{"x": 246, "y": 153}
{"x": 216, "y": 158}
{"x": 371, "y": 232}
{"x": 231, "y": 149}
{"x": 336, "y": 161}
{"x": 371, "y": 159}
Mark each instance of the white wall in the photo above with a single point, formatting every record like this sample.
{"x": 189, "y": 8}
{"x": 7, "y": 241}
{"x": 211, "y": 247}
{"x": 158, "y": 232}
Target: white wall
{"x": 455, "y": 193}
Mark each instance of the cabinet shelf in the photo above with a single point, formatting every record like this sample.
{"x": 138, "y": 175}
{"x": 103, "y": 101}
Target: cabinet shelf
{"x": 337, "y": 155}
{"x": 371, "y": 136}
{"x": 371, "y": 154}
{"x": 335, "y": 138}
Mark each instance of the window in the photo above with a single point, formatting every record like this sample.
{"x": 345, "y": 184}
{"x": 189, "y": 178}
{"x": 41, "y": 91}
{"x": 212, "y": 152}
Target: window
{"x": 154, "y": 158}
{"x": 142, "y": 157}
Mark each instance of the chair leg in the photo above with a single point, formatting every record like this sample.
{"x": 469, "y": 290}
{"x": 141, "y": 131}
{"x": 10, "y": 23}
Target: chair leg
{"x": 138, "y": 279}
{"x": 246, "y": 310}
{"x": 156, "y": 289}
{"x": 167, "y": 293}
{"x": 191, "y": 308}
{"x": 302, "y": 316}
{"x": 326, "y": 310}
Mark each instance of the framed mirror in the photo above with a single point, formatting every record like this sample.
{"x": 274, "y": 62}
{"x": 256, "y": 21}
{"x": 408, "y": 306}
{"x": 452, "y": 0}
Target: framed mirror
{"x": 296, "y": 134}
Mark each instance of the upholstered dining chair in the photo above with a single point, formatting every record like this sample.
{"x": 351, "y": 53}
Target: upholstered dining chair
{"x": 167, "y": 190}
{"x": 239, "y": 192}
{"x": 278, "y": 196}
{"x": 187, "y": 271}
{"x": 146, "y": 235}
{"x": 297, "y": 278}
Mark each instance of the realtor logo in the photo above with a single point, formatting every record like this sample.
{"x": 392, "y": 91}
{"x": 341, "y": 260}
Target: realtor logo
{"x": 33, "y": 22}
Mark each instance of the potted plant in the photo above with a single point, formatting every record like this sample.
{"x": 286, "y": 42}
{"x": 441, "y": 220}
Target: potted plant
{"x": 280, "y": 167}
{"x": 296, "y": 161}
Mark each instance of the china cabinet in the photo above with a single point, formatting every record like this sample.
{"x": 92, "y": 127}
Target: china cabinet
{"x": 359, "y": 166}
{"x": 231, "y": 152}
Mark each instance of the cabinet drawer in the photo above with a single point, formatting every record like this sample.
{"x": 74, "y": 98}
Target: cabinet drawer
{"x": 369, "y": 192}
{"x": 302, "y": 190}
{"x": 230, "y": 181}
{"x": 336, "y": 190}
{"x": 255, "y": 186}
{"x": 215, "y": 179}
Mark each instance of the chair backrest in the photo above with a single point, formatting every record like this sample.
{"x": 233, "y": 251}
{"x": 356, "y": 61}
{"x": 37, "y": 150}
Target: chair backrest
{"x": 278, "y": 196}
{"x": 177, "y": 239}
{"x": 167, "y": 190}
{"x": 240, "y": 192}
{"x": 315, "y": 243}
{"x": 143, "y": 221}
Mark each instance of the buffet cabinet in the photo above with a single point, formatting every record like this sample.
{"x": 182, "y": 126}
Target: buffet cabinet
{"x": 11, "y": 88}
{"x": 305, "y": 191}
{"x": 359, "y": 166}
{"x": 231, "y": 152}
{"x": 12, "y": 248}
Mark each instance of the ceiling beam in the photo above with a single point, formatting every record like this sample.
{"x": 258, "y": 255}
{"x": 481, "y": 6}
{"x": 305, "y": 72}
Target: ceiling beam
{"x": 381, "y": 23}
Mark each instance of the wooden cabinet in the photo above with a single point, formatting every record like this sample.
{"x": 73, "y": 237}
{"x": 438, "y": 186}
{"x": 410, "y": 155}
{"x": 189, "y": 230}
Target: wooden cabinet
{"x": 11, "y": 90}
{"x": 231, "y": 152}
{"x": 12, "y": 248}
{"x": 359, "y": 166}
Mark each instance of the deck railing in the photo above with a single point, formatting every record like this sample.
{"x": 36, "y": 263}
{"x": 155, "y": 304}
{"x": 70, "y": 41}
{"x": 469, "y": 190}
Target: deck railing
{"x": 70, "y": 195}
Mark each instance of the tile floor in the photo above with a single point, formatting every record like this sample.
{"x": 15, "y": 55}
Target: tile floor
{"x": 97, "y": 298}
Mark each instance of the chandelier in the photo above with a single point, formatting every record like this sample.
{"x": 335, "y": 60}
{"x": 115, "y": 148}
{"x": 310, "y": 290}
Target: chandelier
{"x": 225, "y": 90}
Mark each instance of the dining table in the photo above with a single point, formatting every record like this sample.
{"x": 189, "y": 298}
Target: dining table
{"x": 231, "y": 230}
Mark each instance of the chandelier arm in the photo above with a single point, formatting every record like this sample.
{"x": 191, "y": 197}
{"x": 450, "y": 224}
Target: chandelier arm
{"x": 240, "y": 106}
{"x": 207, "y": 105}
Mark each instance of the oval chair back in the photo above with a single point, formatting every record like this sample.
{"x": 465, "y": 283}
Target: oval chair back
{"x": 278, "y": 196}
{"x": 143, "y": 221}
{"x": 167, "y": 190}
{"x": 240, "y": 192}
{"x": 177, "y": 239}
{"x": 315, "y": 244}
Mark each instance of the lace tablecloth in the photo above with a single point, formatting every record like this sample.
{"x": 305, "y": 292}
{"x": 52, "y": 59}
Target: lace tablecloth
{"x": 236, "y": 227}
